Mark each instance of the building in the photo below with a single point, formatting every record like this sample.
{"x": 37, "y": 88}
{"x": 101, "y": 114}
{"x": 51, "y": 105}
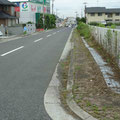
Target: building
{"x": 102, "y": 15}
{"x": 29, "y": 9}
{"x": 7, "y": 13}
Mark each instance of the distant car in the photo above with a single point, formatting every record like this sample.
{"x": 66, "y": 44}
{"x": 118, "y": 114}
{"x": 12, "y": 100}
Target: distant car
{"x": 1, "y": 34}
{"x": 103, "y": 22}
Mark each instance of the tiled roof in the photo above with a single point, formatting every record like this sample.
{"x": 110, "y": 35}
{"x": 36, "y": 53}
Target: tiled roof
{"x": 6, "y": 2}
{"x": 102, "y": 10}
{"x": 4, "y": 15}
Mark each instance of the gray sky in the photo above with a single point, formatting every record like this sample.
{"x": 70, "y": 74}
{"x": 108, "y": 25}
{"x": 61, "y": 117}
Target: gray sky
{"x": 69, "y": 7}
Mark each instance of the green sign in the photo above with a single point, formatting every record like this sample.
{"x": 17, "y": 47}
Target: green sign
{"x": 38, "y": 1}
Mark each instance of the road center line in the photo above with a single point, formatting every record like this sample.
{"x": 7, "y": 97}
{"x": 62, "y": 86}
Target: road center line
{"x": 49, "y": 35}
{"x": 38, "y": 40}
{"x": 12, "y": 51}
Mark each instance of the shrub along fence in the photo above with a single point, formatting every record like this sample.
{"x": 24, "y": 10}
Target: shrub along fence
{"x": 109, "y": 39}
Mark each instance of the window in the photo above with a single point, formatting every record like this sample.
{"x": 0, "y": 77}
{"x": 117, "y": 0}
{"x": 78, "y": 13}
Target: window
{"x": 6, "y": 8}
{"x": 117, "y": 20}
{"x": 92, "y": 14}
{"x": 109, "y": 15}
{"x": 117, "y": 14}
{"x": 99, "y": 14}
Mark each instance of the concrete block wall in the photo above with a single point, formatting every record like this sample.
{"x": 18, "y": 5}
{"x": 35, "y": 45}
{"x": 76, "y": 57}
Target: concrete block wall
{"x": 2, "y": 29}
{"x": 31, "y": 28}
{"x": 15, "y": 30}
{"x": 111, "y": 42}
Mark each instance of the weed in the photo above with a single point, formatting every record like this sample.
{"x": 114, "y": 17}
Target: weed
{"x": 88, "y": 103}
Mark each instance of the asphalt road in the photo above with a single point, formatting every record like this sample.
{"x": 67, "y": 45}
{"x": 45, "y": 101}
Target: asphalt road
{"x": 26, "y": 68}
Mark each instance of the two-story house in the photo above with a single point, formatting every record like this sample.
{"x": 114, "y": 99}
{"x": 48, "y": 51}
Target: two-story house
{"x": 101, "y": 14}
{"x": 7, "y": 13}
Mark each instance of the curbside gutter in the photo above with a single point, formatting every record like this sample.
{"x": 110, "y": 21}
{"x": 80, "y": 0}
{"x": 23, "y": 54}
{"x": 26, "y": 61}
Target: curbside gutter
{"x": 52, "y": 101}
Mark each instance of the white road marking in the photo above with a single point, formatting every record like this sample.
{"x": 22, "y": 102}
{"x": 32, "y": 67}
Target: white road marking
{"x": 54, "y": 33}
{"x": 58, "y": 31}
{"x": 38, "y": 40}
{"x": 49, "y": 30}
{"x": 49, "y": 35}
{"x": 12, "y": 51}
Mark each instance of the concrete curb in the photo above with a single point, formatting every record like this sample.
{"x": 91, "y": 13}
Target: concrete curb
{"x": 71, "y": 103}
{"x": 52, "y": 101}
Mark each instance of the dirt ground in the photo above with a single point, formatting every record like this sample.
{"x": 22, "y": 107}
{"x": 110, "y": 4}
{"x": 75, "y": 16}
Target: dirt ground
{"x": 90, "y": 90}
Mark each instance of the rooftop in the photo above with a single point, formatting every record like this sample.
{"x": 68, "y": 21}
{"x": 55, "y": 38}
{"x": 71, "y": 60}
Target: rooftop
{"x": 4, "y": 15}
{"x": 6, "y": 2}
{"x": 102, "y": 10}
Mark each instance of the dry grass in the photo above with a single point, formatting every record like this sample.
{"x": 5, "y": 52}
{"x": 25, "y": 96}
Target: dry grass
{"x": 90, "y": 90}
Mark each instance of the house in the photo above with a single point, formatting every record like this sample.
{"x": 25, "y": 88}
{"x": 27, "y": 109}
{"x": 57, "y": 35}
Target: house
{"x": 102, "y": 15}
{"x": 7, "y": 14}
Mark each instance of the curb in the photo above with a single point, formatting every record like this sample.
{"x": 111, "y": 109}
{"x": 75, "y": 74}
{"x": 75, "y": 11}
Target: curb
{"x": 15, "y": 37}
{"x": 52, "y": 101}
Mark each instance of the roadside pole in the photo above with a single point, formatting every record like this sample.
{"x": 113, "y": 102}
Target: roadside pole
{"x": 43, "y": 15}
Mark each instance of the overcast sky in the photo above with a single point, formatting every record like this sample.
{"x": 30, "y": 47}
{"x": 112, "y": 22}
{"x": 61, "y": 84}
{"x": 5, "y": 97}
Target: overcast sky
{"x": 69, "y": 7}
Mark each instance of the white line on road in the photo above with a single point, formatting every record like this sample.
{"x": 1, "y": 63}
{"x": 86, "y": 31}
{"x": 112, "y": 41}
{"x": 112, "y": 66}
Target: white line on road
{"x": 54, "y": 33}
{"x": 49, "y": 35}
{"x": 49, "y": 30}
{"x": 58, "y": 31}
{"x": 12, "y": 51}
{"x": 38, "y": 40}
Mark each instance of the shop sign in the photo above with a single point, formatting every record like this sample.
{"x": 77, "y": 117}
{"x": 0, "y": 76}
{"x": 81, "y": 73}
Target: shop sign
{"x": 24, "y": 6}
{"x": 38, "y": 1}
{"x": 45, "y": 10}
{"x": 33, "y": 8}
{"x": 39, "y": 9}
{"x": 17, "y": 9}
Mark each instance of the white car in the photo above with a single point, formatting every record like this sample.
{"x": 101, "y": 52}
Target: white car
{"x": 1, "y": 34}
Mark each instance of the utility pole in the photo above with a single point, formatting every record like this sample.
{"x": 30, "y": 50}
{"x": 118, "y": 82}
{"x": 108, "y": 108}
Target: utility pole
{"x": 85, "y": 3}
{"x": 76, "y": 14}
{"x": 43, "y": 15}
{"x": 57, "y": 11}
{"x": 52, "y": 6}
{"x": 81, "y": 13}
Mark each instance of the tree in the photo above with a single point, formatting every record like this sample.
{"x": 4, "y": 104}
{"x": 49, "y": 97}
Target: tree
{"x": 50, "y": 21}
{"x": 78, "y": 19}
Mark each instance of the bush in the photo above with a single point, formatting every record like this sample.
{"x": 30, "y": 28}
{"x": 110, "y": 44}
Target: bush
{"x": 78, "y": 19}
{"x": 113, "y": 26}
{"x": 94, "y": 23}
{"x": 101, "y": 25}
{"x": 29, "y": 22}
{"x": 84, "y": 30}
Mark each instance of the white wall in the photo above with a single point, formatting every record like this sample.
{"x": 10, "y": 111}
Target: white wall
{"x": 29, "y": 14}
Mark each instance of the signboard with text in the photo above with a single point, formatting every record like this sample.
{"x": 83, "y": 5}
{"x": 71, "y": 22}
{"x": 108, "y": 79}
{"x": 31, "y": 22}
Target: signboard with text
{"x": 33, "y": 8}
{"x": 17, "y": 9}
